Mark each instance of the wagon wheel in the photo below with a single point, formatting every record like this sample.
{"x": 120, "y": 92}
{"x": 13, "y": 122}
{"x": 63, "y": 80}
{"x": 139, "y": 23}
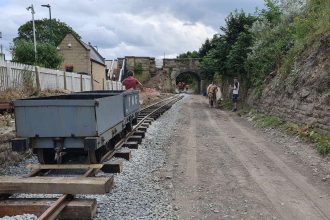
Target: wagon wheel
{"x": 46, "y": 156}
{"x": 129, "y": 127}
{"x": 94, "y": 156}
{"x": 135, "y": 121}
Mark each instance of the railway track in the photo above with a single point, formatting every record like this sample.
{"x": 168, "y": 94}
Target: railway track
{"x": 5, "y": 106}
{"x": 58, "y": 206}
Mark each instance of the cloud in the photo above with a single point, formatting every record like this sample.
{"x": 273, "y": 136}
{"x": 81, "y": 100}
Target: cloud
{"x": 130, "y": 27}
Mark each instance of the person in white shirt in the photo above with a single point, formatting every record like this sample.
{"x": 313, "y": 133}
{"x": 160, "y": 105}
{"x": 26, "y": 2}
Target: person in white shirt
{"x": 235, "y": 93}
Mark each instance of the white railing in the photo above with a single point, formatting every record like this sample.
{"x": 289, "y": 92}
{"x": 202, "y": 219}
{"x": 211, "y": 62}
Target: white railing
{"x": 114, "y": 85}
{"x": 122, "y": 71}
{"x": 17, "y": 76}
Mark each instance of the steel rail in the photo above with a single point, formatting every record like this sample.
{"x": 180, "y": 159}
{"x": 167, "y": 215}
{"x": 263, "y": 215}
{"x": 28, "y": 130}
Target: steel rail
{"x": 55, "y": 209}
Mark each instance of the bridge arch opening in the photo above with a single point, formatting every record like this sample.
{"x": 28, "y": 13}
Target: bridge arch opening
{"x": 190, "y": 80}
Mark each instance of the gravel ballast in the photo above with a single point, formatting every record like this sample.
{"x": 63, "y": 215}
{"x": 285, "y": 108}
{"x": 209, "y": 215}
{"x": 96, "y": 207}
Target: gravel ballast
{"x": 142, "y": 190}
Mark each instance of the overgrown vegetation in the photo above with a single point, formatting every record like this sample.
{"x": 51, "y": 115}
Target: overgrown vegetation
{"x": 138, "y": 69}
{"x": 139, "y": 74}
{"x": 304, "y": 132}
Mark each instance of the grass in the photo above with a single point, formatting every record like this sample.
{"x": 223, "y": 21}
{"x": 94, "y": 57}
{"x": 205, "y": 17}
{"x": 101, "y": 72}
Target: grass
{"x": 304, "y": 132}
{"x": 227, "y": 104}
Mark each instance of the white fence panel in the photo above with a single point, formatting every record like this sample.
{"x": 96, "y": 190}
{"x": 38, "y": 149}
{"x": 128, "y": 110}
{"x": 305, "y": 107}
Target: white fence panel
{"x": 17, "y": 76}
{"x": 114, "y": 85}
{"x": 49, "y": 79}
{"x": 87, "y": 86}
{"x": 76, "y": 82}
{"x": 69, "y": 81}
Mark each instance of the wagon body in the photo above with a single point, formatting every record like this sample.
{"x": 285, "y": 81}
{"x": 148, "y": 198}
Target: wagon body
{"x": 130, "y": 99}
{"x": 85, "y": 120}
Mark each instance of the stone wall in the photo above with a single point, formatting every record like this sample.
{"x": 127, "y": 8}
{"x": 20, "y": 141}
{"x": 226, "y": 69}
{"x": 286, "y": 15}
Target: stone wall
{"x": 148, "y": 65}
{"x": 98, "y": 71}
{"x": 304, "y": 95}
{"x": 182, "y": 63}
{"x": 74, "y": 54}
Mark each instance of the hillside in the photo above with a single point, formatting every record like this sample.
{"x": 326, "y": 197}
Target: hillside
{"x": 304, "y": 95}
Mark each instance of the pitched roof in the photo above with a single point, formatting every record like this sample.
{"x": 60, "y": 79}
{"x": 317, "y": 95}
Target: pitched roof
{"x": 94, "y": 54}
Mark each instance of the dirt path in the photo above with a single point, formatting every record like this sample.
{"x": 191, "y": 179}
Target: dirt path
{"x": 225, "y": 169}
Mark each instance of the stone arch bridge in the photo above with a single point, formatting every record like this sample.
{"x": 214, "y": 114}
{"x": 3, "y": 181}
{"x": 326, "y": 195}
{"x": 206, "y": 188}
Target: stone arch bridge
{"x": 174, "y": 67}
{"x": 177, "y": 67}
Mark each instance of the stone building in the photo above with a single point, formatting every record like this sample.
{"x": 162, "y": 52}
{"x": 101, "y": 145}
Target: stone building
{"x": 83, "y": 58}
{"x": 145, "y": 65}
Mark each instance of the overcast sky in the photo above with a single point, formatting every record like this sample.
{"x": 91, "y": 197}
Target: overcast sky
{"x": 129, "y": 27}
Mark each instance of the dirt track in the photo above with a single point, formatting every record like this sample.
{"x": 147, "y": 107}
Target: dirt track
{"x": 223, "y": 168}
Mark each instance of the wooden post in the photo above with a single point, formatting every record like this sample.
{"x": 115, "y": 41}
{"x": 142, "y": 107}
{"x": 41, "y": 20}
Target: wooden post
{"x": 8, "y": 78}
{"x": 64, "y": 75}
{"x": 81, "y": 83}
{"x": 72, "y": 83}
{"x": 57, "y": 80}
{"x": 37, "y": 78}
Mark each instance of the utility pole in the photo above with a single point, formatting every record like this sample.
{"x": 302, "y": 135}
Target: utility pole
{"x": 34, "y": 32}
{"x": 0, "y": 43}
{"x": 50, "y": 23}
{"x": 2, "y": 55}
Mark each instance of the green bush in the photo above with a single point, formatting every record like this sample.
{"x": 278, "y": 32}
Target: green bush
{"x": 323, "y": 147}
{"x": 138, "y": 69}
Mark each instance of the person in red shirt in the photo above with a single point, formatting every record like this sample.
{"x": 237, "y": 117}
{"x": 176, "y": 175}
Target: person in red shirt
{"x": 130, "y": 82}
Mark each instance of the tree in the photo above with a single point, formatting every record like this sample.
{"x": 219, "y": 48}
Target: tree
{"x": 189, "y": 54}
{"x": 48, "y": 56}
{"x": 237, "y": 56}
{"x": 205, "y": 48}
{"x": 236, "y": 23}
{"x": 59, "y": 30}
{"x": 209, "y": 64}
{"x": 229, "y": 50}
{"x": 272, "y": 12}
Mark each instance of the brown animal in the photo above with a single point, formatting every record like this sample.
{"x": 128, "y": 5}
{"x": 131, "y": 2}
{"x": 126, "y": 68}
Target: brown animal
{"x": 212, "y": 92}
